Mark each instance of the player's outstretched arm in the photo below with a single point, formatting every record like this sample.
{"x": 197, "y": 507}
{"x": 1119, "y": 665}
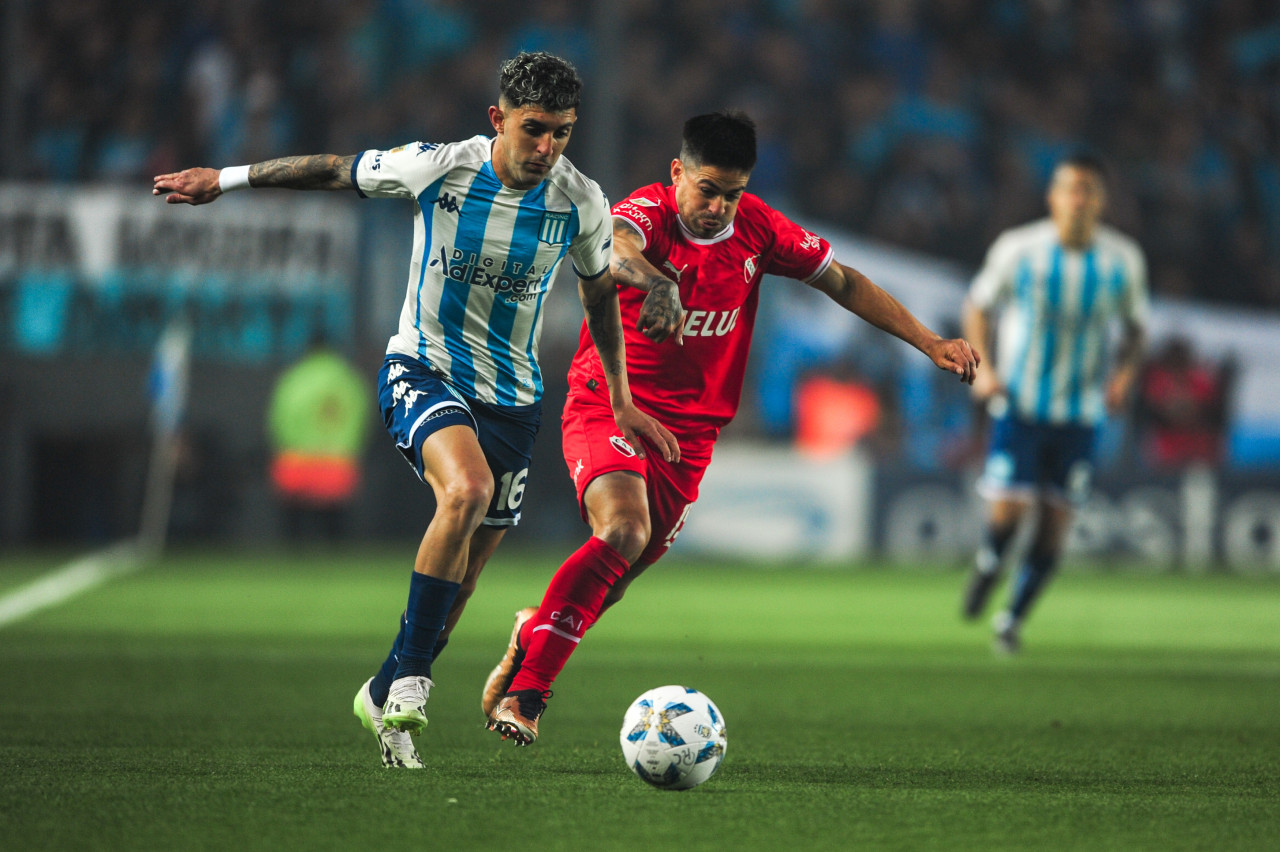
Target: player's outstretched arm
{"x": 604, "y": 321}
{"x": 661, "y": 315}
{"x": 856, "y": 293}
{"x": 309, "y": 171}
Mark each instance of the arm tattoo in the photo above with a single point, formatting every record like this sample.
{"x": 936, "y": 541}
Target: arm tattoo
{"x": 311, "y": 171}
{"x": 626, "y": 271}
{"x": 605, "y": 334}
{"x": 623, "y": 270}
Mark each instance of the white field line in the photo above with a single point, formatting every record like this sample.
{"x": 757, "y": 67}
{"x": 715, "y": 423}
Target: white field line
{"x": 66, "y": 582}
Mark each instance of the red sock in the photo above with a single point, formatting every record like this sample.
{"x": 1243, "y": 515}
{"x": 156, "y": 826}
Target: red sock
{"x": 571, "y": 605}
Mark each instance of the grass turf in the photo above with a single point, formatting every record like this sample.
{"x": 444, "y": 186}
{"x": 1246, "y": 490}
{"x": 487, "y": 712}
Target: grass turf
{"x": 205, "y": 704}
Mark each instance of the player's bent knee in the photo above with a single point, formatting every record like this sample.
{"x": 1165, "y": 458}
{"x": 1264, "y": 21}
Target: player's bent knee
{"x": 467, "y": 496}
{"x": 627, "y": 535}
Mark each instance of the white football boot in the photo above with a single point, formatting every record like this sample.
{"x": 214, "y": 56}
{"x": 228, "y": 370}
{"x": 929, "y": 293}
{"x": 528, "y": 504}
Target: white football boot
{"x": 1008, "y": 634}
{"x": 397, "y": 746}
{"x": 406, "y": 707}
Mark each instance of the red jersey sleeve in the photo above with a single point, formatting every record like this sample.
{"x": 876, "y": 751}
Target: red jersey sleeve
{"x": 649, "y": 211}
{"x": 797, "y": 253}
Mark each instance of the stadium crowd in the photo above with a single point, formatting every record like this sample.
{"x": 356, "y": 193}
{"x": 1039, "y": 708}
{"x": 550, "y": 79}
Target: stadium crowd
{"x": 930, "y": 124}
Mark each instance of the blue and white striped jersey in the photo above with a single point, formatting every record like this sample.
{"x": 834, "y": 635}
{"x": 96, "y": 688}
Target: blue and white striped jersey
{"x": 1058, "y": 308}
{"x": 484, "y": 258}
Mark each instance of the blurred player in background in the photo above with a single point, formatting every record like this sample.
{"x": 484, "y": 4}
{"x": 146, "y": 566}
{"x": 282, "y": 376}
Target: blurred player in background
{"x": 460, "y": 389}
{"x": 700, "y": 248}
{"x": 1058, "y": 286}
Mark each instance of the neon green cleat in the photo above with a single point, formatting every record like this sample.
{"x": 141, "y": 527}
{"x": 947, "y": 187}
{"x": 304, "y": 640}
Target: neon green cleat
{"x": 406, "y": 705}
{"x": 397, "y": 747}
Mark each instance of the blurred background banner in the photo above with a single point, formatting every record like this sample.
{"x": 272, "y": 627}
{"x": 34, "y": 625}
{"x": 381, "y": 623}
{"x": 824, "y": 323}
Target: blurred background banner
{"x": 909, "y": 133}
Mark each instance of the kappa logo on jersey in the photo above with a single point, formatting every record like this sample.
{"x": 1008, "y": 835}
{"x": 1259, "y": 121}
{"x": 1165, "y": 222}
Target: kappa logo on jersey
{"x": 446, "y": 202}
{"x": 710, "y": 323}
{"x": 554, "y": 228}
{"x": 676, "y": 272}
{"x": 498, "y": 275}
{"x": 620, "y": 444}
{"x": 424, "y": 147}
{"x": 749, "y": 268}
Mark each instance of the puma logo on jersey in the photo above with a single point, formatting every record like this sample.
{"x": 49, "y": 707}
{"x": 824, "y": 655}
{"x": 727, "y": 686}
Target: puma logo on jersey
{"x": 676, "y": 272}
{"x": 710, "y": 323}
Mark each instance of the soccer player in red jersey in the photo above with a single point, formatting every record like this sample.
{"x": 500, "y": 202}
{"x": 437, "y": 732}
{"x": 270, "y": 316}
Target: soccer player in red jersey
{"x": 693, "y": 255}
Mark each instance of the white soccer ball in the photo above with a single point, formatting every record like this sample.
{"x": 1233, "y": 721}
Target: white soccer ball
{"x": 673, "y": 737}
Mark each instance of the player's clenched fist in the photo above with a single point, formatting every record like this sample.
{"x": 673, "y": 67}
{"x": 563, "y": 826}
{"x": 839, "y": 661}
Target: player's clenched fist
{"x": 190, "y": 186}
{"x": 661, "y": 315}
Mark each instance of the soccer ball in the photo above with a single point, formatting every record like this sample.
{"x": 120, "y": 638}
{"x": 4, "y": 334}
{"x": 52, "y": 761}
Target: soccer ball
{"x": 673, "y": 737}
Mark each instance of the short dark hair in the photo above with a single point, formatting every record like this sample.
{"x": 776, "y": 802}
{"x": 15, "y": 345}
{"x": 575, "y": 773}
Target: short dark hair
{"x": 1084, "y": 158}
{"x": 726, "y": 139}
{"x": 540, "y": 79}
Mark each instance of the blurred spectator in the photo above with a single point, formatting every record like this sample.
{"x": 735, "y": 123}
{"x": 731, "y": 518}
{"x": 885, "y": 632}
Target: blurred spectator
{"x": 317, "y": 423}
{"x": 1182, "y": 406}
{"x": 833, "y": 415}
{"x": 929, "y": 123}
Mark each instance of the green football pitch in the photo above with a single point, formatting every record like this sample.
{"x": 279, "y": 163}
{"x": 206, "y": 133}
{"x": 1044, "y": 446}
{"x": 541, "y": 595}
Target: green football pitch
{"x": 205, "y": 703}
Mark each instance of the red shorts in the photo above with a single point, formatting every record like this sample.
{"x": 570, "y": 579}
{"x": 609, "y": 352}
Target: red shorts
{"x": 593, "y": 446}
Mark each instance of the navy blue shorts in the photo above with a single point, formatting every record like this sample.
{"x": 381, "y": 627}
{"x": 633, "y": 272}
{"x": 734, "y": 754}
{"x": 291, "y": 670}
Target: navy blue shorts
{"x": 1038, "y": 459}
{"x": 417, "y": 402}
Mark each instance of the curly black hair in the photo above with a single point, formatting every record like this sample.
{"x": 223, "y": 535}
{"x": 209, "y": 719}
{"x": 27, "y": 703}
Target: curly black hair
{"x": 540, "y": 79}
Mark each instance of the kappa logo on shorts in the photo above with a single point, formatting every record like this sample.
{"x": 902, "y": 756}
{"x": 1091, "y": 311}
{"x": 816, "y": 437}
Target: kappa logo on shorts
{"x": 620, "y": 444}
{"x": 410, "y": 397}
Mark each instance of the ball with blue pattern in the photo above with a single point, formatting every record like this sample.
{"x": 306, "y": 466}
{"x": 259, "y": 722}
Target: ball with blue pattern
{"x": 673, "y": 737}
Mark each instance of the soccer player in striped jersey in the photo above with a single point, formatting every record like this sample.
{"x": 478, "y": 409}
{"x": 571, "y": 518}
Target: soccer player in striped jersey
{"x": 460, "y": 389}
{"x": 700, "y": 248}
{"x": 1045, "y": 304}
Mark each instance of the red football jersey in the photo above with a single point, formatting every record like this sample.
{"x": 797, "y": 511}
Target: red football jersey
{"x": 698, "y": 385}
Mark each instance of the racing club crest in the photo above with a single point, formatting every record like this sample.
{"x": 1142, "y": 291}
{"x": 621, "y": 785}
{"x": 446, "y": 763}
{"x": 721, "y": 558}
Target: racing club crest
{"x": 554, "y": 228}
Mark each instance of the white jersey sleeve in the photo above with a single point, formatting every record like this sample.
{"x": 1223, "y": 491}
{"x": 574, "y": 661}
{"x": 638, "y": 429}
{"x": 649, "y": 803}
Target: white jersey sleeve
{"x": 994, "y": 281}
{"x": 592, "y": 249}
{"x": 1135, "y": 301}
{"x": 403, "y": 172}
